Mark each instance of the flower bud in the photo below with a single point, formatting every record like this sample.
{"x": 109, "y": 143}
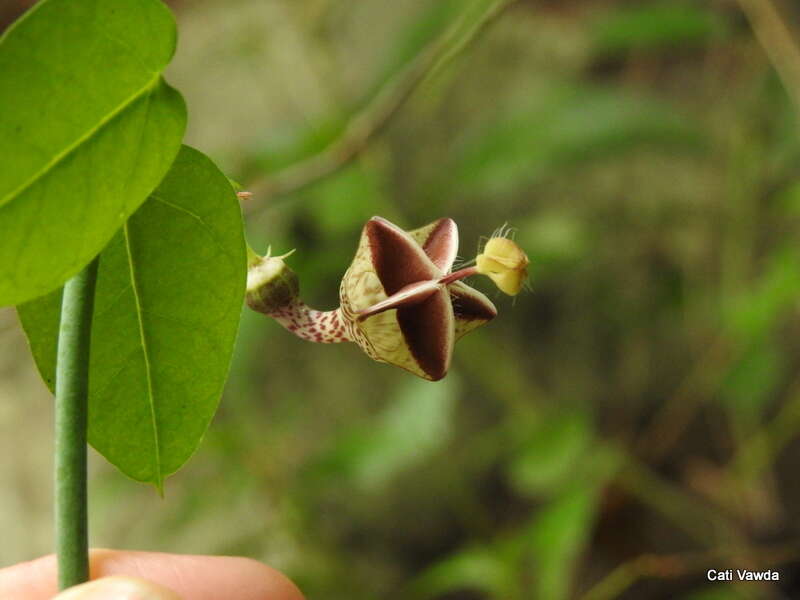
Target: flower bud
{"x": 504, "y": 263}
{"x": 271, "y": 284}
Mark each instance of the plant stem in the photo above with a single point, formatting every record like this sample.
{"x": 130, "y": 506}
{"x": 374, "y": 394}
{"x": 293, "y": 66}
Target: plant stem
{"x": 71, "y": 408}
{"x": 778, "y": 35}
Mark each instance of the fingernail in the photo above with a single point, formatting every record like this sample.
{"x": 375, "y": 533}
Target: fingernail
{"x": 118, "y": 588}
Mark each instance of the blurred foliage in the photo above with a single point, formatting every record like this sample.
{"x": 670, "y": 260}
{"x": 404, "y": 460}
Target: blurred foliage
{"x": 629, "y": 424}
{"x": 657, "y": 26}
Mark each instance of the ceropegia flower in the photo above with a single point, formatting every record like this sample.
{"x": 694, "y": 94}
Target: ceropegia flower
{"x": 399, "y": 300}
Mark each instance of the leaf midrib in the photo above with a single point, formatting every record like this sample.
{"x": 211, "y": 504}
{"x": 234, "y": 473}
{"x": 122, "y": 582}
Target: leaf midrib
{"x": 81, "y": 140}
{"x": 159, "y": 478}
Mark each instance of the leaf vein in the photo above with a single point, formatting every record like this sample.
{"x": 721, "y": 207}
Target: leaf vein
{"x": 223, "y": 250}
{"x": 80, "y": 141}
{"x": 111, "y": 304}
{"x": 147, "y": 367}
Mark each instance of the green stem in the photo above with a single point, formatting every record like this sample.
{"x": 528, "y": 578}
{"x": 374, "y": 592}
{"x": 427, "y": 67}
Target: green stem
{"x": 72, "y": 390}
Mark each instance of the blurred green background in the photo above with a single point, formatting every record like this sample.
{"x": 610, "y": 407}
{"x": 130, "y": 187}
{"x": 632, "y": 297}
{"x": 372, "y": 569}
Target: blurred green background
{"x": 615, "y": 433}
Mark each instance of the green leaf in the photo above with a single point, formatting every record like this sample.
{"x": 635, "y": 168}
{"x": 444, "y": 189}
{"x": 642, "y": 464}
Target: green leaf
{"x": 757, "y": 311}
{"x": 751, "y": 381}
{"x": 559, "y": 533}
{"x": 169, "y": 296}
{"x": 87, "y": 130}
{"x": 478, "y": 568}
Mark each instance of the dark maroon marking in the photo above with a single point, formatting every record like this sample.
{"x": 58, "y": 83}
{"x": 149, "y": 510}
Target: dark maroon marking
{"x": 395, "y": 260}
{"x": 425, "y": 327}
{"x": 469, "y": 308}
{"x": 306, "y": 323}
{"x": 440, "y": 244}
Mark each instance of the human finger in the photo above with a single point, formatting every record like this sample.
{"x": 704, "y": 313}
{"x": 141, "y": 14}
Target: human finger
{"x": 193, "y": 577}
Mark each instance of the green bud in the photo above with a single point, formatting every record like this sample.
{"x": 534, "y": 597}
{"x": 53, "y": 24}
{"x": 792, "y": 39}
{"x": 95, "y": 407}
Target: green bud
{"x": 271, "y": 284}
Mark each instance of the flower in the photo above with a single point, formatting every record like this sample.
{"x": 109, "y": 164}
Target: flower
{"x": 504, "y": 263}
{"x": 397, "y": 304}
{"x": 399, "y": 300}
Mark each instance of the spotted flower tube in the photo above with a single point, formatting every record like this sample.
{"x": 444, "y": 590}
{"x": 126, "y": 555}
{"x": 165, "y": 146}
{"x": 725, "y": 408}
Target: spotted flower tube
{"x": 400, "y": 301}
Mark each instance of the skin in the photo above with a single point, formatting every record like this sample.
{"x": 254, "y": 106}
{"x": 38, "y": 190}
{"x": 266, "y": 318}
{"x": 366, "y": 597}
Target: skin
{"x": 152, "y": 576}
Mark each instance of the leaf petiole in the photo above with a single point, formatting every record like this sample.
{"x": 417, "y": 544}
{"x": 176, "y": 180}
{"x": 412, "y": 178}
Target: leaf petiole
{"x": 71, "y": 408}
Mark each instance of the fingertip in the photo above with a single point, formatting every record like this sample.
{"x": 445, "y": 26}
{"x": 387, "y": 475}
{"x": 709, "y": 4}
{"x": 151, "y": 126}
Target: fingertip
{"x": 198, "y": 577}
{"x": 31, "y": 580}
{"x": 192, "y": 577}
{"x": 264, "y": 582}
{"x": 118, "y": 588}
